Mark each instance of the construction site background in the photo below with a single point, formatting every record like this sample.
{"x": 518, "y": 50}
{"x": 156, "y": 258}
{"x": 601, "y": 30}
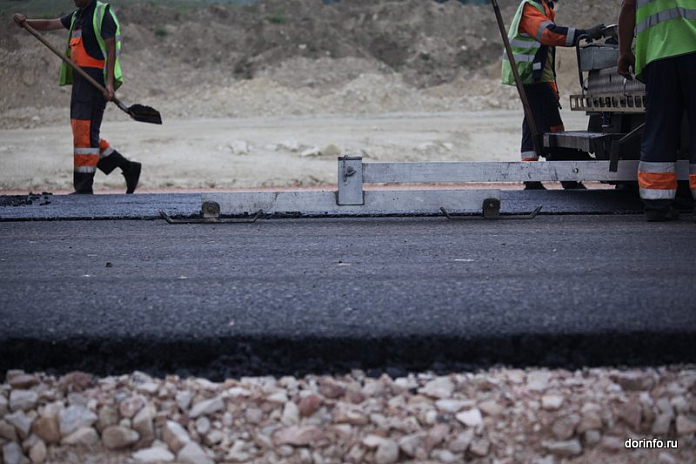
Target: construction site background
{"x": 290, "y": 57}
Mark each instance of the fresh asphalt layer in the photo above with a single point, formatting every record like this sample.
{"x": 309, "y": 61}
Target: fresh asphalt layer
{"x": 578, "y": 287}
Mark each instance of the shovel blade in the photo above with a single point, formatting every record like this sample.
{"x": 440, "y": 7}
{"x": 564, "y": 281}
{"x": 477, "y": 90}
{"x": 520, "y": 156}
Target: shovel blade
{"x": 144, "y": 113}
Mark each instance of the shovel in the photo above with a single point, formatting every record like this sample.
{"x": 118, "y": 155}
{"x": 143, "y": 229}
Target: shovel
{"x": 138, "y": 112}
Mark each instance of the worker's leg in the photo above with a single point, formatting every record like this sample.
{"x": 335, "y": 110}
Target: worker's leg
{"x": 544, "y": 106}
{"x": 543, "y": 102}
{"x": 86, "y": 108}
{"x": 657, "y": 178}
{"x": 688, "y": 77}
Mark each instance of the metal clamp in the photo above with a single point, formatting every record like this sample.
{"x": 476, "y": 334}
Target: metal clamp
{"x": 211, "y": 215}
{"x": 491, "y": 210}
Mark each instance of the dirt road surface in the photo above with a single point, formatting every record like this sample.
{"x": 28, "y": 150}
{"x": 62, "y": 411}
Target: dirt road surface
{"x": 261, "y": 151}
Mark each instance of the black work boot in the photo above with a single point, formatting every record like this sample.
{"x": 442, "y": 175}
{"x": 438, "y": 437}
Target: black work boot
{"x": 661, "y": 215}
{"x": 572, "y": 185}
{"x": 529, "y": 185}
{"x": 131, "y": 170}
{"x": 132, "y": 174}
{"x": 83, "y": 182}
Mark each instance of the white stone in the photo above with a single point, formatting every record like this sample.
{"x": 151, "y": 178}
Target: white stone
{"x": 7, "y": 431}
{"x": 153, "y": 455}
{"x": 661, "y": 424}
{"x": 237, "y": 392}
{"x": 192, "y": 453}
{"x": 470, "y": 418}
{"x": 462, "y": 441}
{"x": 143, "y": 424}
{"x": 452, "y": 406}
{"x": 492, "y": 408}
{"x": 21, "y": 422}
{"x": 372, "y": 441}
{"x": 313, "y": 151}
{"x": 441, "y": 387}
{"x": 387, "y": 452}
{"x": 410, "y": 444}
{"x": 75, "y": 417}
{"x": 207, "y": 407}
{"x": 278, "y": 398}
{"x": 38, "y": 452}
{"x": 85, "y": 436}
{"x": 290, "y": 145}
{"x": 117, "y": 437}
{"x": 538, "y": 381}
{"x": 183, "y": 400}
{"x": 202, "y": 425}
{"x": 239, "y": 147}
{"x": 567, "y": 448}
{"x": 23, "y": 400}
{"x": 552, "y": 402}
{"x": 297, "y": 436}
{"x": 12, "y": 453}
{"x": 175, "y": 436}
{"x": 445, "y": 456}
{"x": 685, "y": 426}
{"x": 480, "y": 447}
{"x": 148, "y": 387}
{"x": 291, "y": 414}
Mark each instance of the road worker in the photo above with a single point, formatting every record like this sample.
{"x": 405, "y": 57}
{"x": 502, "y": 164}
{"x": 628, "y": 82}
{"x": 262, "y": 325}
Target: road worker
{"x": 665, "y": 60}
{"x": 534, "y": 37}
{"x": 94, "y": 45}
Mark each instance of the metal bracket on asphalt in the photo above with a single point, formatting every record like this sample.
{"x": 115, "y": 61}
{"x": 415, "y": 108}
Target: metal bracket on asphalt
{"x": 491, "y": 210}
{"x": 211, "y": 215}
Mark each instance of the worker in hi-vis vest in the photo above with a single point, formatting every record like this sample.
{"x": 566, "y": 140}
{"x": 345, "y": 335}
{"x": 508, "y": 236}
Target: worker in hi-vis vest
{"x": 534, "y": 37}
{"x": 665, "y": 60}
{"x": 94, "y": 44}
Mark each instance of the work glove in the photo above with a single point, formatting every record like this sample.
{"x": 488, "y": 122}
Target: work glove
{"x": 595, "y": 32}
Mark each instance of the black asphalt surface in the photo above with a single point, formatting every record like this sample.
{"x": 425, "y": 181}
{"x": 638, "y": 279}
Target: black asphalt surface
{"x": 292, "y": 296}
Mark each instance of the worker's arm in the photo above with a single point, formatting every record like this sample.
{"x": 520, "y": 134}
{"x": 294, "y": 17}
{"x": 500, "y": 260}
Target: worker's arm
{"x": 627, "y": 24}
{"x": 110, "y": 65}
{"x": 39, "y": 24}
{"x": 540, "y": 27}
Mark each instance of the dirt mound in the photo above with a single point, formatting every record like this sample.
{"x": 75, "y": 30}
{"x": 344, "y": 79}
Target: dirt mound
{"x": 292, "y": 57}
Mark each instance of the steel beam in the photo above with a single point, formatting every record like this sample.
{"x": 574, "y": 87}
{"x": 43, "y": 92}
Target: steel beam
{"x": 376, "y": 202}
{"x": 546, "y": 171}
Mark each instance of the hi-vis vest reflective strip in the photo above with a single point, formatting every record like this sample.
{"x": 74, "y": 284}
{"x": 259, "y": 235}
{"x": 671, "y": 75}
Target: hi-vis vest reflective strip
{"x": 664, "y": 28}
{"x": 524, "y": 48}
{"x": 66, "y": 75}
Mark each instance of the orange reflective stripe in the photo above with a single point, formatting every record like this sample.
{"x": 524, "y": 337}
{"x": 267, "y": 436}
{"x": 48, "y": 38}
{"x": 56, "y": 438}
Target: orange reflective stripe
{"x": 80, "y": 56}
{"x": 81, "y": 130}
{"x": 85, "y": 160}
{"x": 657, "y": 180}
{"x": 692, "y": 181}
{"x": 554, "y": 129}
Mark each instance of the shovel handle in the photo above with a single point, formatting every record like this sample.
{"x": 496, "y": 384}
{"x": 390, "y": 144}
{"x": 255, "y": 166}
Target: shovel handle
{"x": 69, "y": 62}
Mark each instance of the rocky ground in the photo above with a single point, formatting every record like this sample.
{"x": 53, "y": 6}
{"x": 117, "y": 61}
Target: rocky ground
{"x": 498, "y": 416}
{"x": 291, "y": 57}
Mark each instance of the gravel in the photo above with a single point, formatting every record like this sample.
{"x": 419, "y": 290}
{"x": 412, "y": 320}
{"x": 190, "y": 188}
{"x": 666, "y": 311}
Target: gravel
{"x": 500, "y": 415}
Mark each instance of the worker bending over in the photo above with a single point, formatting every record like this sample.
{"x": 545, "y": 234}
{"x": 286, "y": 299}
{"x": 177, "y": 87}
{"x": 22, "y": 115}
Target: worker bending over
{"x": 534, "y": 36}
{"x": 665, "y": 59}
{"x": 94, "y": 45}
